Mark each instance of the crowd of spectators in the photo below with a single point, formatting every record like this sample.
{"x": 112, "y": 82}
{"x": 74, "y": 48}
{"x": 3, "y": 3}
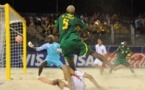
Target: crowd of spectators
{"x": 39, "y": 26}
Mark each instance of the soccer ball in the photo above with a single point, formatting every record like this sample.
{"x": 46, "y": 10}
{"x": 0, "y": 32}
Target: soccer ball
{"x": 18, "y": 39}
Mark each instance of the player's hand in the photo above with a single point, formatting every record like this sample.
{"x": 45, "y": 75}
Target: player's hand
{"x": 30, "y": 44}
{"x": 59, "y": 50}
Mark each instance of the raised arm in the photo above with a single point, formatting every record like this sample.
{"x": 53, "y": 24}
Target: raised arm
{"x": 44, "y": 46}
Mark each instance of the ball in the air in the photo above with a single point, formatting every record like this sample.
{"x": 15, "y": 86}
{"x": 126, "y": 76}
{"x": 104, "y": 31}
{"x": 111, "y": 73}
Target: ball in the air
{"x": 18, "y": 39}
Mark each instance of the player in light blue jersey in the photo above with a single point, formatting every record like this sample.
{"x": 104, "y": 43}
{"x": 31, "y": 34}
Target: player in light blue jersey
{"x": 53, "y": 57}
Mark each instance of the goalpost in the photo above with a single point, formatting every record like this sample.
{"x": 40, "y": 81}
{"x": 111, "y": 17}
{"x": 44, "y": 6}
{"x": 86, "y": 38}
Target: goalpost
{"x": 12, "y": 54}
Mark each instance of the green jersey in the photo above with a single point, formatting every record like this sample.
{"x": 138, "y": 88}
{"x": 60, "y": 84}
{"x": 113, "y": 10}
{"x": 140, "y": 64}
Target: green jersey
{"x": 123, "y": 52}
{"x": 67, "y": 25}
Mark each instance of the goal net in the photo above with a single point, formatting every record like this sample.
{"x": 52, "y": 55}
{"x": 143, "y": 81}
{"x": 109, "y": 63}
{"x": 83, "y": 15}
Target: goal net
{"x": 12, "y": 53}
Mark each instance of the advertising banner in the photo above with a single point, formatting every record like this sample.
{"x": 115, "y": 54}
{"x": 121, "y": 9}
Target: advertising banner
{"x": 34, "y": 59}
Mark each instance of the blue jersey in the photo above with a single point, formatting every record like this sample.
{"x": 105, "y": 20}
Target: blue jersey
{"x": 51, "y": 50}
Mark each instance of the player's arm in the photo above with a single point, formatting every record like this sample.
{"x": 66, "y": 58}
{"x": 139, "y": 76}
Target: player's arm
{"x": 90, "y": 77}
{"x": 128, "y": 57}
{"x": 45, "y": 80}
{"x": 55, "y": 30}
{"x": 57, "y": 48}
{"x": 83, "y": 26}
{"x": 30, "y": 44}
{"x": 57, "y": 82}
{"x": 91, "y": 28}
{"x": 60, "y": 83}
{"x": 117, "y": 50}
{"x": 56, "y": 26}
{"x": 105, "y": 51}
{"x": 37, "y": 48}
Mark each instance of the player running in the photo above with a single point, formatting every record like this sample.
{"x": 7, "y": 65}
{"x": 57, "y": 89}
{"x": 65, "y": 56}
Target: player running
{"x": 77, "y": 80}
{"x": 70, "y": 40}
{"x": 123, "y": 53}
{"x": 101, "y": 49}
{"x": 53, "y": 57}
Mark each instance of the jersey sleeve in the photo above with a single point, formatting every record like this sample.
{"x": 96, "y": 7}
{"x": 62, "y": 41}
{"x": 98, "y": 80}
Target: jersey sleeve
{"x": 44, "y": 46}
{"x": 80, "y": 23}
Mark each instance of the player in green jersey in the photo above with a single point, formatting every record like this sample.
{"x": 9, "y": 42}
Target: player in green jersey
{"x": 121, "y": 61}
{"x": 70, "y": 40}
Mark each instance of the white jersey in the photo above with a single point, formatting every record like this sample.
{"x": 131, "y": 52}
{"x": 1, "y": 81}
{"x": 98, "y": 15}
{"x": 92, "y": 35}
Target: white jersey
{"x": 78, "y": 81}
{"x": 101, "y": 49}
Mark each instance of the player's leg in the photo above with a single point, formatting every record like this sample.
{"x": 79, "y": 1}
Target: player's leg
{"x": 129, "y": 66}
{"x": 68, "y": 53}
{"x": 41, "y": 67}
{"x": 65, "y": 69}
{"x": 102, "y": 68}
{"x": 117, "y": 62}
{"x": 67, "y": 75}
{"x": 100, "y": 57}
{"x": 119, "y": 67}
{"x": 71, "y": 64}
{"x": 98, "y": 64}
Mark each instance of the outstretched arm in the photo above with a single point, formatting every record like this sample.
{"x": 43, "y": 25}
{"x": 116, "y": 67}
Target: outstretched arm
{"x": 45, "y": 80}
{"x": 92, "y": 80}
{"x": 44, "y": 46}
{"x": 57, "y": 82}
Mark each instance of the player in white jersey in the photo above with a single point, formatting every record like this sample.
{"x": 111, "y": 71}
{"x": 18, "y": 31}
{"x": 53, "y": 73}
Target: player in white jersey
{"x": 101, "y": 49}
{"x": 77, "y": 80}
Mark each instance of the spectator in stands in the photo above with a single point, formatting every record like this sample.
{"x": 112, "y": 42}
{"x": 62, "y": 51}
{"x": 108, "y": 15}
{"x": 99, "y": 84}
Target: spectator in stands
{"x": 137, "y": 25}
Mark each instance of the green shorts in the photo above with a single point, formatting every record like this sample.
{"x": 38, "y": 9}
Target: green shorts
{"x": 121, "y": 61}
{"x": 77, "y": 47}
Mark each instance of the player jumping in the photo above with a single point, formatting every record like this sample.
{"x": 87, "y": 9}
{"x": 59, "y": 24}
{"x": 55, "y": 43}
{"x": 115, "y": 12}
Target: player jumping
{"x": 70, "y": 40}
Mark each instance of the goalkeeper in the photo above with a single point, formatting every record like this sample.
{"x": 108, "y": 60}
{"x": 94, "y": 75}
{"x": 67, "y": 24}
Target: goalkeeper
{"x": 54, "y": 50}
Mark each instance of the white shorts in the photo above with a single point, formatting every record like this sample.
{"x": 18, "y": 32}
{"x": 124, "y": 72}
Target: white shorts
{"x": 98, "y": 62}
{"x": 66, "y": 88}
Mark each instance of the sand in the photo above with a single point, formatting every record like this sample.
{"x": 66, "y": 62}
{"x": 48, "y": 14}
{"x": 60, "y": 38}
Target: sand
{"x": 122, "y": 79}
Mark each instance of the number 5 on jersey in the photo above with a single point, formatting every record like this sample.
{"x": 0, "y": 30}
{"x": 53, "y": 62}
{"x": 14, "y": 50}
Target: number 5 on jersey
{"x": 65, "y": 23}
